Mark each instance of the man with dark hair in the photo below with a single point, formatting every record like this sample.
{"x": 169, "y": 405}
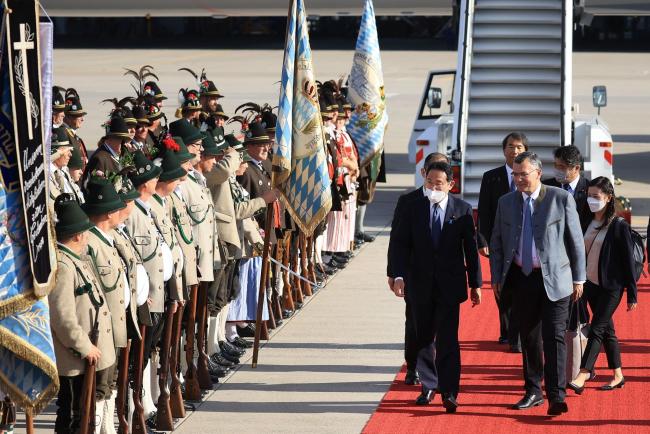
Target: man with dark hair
{"x": 410, "y": 343}
{"x": 567, "y": 165}
{"x": 537, "y": 250}
{"x": 496, "y": 183}
{"x": 435, "y": 259}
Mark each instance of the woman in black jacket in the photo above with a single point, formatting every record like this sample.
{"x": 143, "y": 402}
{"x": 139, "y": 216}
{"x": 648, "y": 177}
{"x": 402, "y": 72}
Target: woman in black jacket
{"x": 610, "y": 270}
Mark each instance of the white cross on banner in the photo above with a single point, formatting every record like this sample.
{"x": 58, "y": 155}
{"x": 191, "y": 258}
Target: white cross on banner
{"x": 21, "y": 66}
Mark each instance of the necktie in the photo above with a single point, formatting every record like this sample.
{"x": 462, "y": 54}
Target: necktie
{"x": 568, "y": 188}
{"x": 436, "y": 227}
{"x": 513, "y": 187}
{"x": 527, "y": 242}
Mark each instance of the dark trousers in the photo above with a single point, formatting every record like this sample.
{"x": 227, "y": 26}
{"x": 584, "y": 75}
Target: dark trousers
{"x": 508, "y": 321}
{"x": 438, "y": 361}
{"x": 410, "y": 339}
{"x": 603, "y": 304}
{"x": 543, "y": 325}
{"x": 219, "y": 291}
{"x": 68, "y": 412}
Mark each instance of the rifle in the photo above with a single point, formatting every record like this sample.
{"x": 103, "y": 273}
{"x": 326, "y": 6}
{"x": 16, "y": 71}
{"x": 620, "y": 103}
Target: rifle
{"x": 284, "y": 258}
{"x": 87, "y": 425}
{"x": 164, "y": 421}
{"x": 297, "y": 284}
{"x": 138, "y": 420}
{"x": 306, "y": 286}
{"x": 192, "y": 389}
{"x": 310, "y": 258}
{"x": 203, "y": 372}
{"x": 176, "y": 401}
{"x": 122, "y": 388}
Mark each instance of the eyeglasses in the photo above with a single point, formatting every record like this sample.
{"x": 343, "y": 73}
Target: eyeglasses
{"x": 523, "y": 174}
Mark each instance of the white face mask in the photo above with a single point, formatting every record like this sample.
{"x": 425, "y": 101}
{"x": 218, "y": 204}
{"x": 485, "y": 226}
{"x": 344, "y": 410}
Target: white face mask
{"x": 435, "y": 196}
{"x": 595, "y": 205}
{"x": 560, "y": 176}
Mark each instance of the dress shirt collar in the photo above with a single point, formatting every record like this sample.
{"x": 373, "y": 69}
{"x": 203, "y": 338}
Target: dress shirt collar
{"x": 105, "y": 236}
{"x": 574, "y": 184}
{"x": 534, "y": 195}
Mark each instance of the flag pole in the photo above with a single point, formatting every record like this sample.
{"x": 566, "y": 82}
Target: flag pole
{"x": 268, "y": 227}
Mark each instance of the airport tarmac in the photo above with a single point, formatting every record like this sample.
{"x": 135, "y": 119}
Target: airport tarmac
{"x": 327, "y": 368}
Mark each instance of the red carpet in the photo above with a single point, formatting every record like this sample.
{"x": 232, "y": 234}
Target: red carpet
{"x": 492, "y": 380}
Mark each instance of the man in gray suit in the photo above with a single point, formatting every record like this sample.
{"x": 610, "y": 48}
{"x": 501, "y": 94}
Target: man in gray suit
{"x": 538, "y": 251}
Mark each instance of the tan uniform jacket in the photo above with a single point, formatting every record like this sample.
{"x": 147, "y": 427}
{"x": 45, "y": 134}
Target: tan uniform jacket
{"x": 160, "y": 211}
{"x": 224, "y": 210}
{"x": 111, "y": 271}
{"x": 177, "y": 209}
{"x": 128, "y": 252}
{"x": 200, "y": 210}
{"x": 72, "y": 315}
{"x": 250, "y": 235}
{"x": 146, "y": 241}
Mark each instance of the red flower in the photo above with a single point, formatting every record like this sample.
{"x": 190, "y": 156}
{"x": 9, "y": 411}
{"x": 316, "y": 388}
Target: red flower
{"x": 171, "y": 144}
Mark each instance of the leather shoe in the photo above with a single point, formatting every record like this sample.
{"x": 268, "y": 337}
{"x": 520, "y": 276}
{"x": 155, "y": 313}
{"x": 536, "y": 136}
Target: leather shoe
{"x": 425, "y": 397}
{"x": 341, "y": 259}
{"x": 366, "y": 238}
{"x": 286, "y": 313}
{"x": 578, "y": 390}
{"x": 412, "y": 378}
{"x": 343, "y": 255}
{"x": 557, "y": 408}
{"x": 231, "y": 349}
{"x": 241, "y": 343}
{"x": 503, "y": 340}
{"x": 619, "y": 385}
{"x": 449, "y": 402}
{"x": 528, "y": 401}
{"x": 247, "y": 332}
{"x": 220, "y": 360}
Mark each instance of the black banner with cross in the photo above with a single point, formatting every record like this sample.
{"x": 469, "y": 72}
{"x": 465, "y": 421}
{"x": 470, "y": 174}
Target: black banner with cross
{"x": 23, "y": 63}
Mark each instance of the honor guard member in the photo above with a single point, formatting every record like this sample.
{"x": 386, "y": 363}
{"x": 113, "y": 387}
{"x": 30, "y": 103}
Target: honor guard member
{"x": 151, "y": 89}
{"x": 156, "y": 258}
{"x": 190, "y": 107}
{"x": 257, "y": 178}
{"x": 76, "y": 305}
{"x": 178, "y": 210}
{"x": 141, "y": 128}
{"x": 209, "y": 95}
{"x": 103, "y": 207}
{"x": 72, "y": 121}
{"x": 106, "y": 159}
{"x": 154, "y": 115}
{"x": 61, "y": 152}
{"x": 131, "y": 124}
{"x": 75, "y": 171}
{"x": 58, "y": 106}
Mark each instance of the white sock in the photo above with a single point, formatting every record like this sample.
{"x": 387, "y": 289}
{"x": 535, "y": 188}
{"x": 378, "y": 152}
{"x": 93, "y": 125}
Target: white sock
{"x": 213, "y": 330}
{"x": 231, "y": 331}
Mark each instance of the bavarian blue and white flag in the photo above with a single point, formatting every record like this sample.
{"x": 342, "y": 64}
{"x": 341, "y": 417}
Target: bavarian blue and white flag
{"x": 299, "y": 159}
{"x": 366, "y": 91}
{"x": 28, "y": 371}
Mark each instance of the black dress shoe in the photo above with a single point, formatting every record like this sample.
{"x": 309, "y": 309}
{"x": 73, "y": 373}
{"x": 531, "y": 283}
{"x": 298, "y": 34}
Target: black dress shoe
{"x": 220, "y": 360}
{"x": 287, "y": 313}
{"x": 247, "y": 332}
{"x": 449, "y": 402}
{"x": 425, "y": 397}
{"x": 412, "y": 378}
{"x": 216, "y": 370}
{"x": 503, "y": 340}
{"x": 528, "y": 401}
{"x": 297, "y": 304}
{"x": 577, "y": 389}
{"x": 341, "y": 258}
{"x": 515, "y": 348}
{"x": 241, "y": 343}
{"x": 233, "y": 359}
{"x": 344, "y": 255}
{"x": 336, "y": 264}
{"x": 231, "y": 349}
{"x": 557, "y": 408}
{"x": 619, "y": 385}
{"x": 366, "y": 238}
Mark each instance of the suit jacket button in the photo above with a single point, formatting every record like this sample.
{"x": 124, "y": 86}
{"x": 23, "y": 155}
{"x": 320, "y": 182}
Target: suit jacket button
{"x": 160, "y": 271}
{"x": 121, "y": 301}
{"x": 108, "y": 330}
{"x": 159, "y": 254}
{"x": 105, "y": 313}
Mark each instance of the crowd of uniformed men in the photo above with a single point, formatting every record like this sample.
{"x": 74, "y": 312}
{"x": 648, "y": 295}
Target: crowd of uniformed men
{"x": 159, "y": 236}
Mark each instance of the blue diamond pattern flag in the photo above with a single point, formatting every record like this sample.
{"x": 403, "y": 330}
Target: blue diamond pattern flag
{"x": 299, "y": 159}
{"x": 27, "y": 363}
{"x": 366, "y": 91}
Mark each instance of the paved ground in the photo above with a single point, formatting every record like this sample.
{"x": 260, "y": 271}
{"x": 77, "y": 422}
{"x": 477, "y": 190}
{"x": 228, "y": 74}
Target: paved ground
{"x": 327, "y": 369}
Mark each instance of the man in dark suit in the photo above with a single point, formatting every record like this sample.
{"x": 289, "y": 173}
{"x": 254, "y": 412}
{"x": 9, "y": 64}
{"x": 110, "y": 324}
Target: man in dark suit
{"x": 435, "y": 254}
{"x": 106, "y": 159}
{"x": 496, "y": 183}
{"x": 410, "y": 341}
{"x": 537, "y": 250}
{"x": 567, "y": 164}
